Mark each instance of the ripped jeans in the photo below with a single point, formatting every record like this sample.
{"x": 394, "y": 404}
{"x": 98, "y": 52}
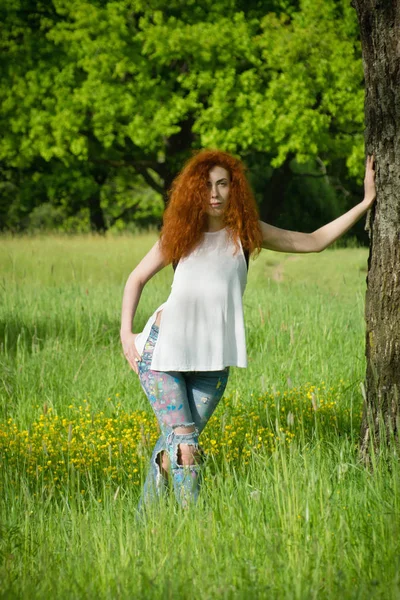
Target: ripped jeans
{"x": 179, "y": 399}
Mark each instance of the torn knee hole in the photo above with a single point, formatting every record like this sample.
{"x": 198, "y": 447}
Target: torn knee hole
{"x": 187, "y": 455}
{"x": 184, "y": 429}
{"x": 162, "y": 461}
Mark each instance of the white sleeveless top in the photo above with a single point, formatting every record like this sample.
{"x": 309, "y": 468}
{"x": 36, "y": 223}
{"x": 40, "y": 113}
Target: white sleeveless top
{"x": 202, "y": 325}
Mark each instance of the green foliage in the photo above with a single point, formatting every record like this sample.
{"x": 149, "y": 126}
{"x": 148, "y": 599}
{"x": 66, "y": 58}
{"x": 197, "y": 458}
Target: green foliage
{"x": 94, "y": 94}
{"x": 314, "y": 101}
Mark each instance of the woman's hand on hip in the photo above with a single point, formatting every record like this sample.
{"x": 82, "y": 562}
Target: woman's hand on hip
{"x": 130, "y": 352}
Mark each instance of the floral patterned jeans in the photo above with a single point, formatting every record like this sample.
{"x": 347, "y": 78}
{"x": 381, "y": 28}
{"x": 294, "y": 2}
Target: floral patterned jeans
{"x": 179, "y": 399}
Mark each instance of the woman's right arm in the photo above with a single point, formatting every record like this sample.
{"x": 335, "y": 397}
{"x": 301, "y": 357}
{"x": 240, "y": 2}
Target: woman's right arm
{"x": 145, "y": 270}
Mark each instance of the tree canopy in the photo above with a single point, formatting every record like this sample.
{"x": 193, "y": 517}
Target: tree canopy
{"x": 103, "y": 101}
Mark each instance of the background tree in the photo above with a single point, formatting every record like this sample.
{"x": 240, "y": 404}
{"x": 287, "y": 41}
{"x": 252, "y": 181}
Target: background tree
{"x": 379, "y": 26}
{"x": 93, "y": 91}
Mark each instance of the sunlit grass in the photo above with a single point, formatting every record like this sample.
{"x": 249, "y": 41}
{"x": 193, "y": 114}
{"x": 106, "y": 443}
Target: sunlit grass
{"x": 287, "y": 509}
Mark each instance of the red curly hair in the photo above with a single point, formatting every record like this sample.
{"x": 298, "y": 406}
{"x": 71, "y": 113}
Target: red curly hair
{"x": 185, "y": 217}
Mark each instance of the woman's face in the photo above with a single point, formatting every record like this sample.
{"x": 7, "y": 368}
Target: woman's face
{"x": 218, "y": 187}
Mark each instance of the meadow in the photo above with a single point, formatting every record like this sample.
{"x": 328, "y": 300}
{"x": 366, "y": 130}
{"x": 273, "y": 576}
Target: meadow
{"x": 287, "y": 508}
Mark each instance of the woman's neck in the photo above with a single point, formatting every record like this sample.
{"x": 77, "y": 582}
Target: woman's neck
{"x": 214, "y": 224}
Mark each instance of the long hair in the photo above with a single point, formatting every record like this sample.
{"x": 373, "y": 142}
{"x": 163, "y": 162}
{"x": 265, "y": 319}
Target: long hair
{"x": 185, "y": 217}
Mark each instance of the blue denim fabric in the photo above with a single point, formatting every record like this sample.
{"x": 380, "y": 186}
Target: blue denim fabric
{"x": 178, "y": 399}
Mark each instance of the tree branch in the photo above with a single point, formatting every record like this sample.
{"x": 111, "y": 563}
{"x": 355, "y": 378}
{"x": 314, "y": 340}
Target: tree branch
{"x": 315, "y": 175}
{"x": 140, "y": 168}
{"x": 125, "y": 213}
{"x": 147, "y": 164}
{"x": 149, "y": 179}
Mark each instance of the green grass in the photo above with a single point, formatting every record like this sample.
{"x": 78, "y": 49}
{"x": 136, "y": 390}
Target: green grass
{"x": 287, "y": 512}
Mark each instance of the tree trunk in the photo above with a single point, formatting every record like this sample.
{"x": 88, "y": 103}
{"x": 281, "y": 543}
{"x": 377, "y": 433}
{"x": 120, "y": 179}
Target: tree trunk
{"x": 380, "y": 28}
{"x": 273, "y": 200}
{"x": 96, "y": 216}
{"x": 177, "y": 151}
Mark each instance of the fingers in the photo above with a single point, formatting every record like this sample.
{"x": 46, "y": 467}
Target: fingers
{"x": 369, "y": 177}
{"x": 370, "y": 161}
{"x": 133, "y": 361}
{"x": 136, "y": 365}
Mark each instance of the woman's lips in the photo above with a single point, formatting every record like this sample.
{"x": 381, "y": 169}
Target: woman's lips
{"x": 215, "y": 204}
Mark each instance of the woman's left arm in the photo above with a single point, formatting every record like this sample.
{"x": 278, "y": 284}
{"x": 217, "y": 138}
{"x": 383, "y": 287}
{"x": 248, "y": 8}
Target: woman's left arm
{"x": 283, "y": 240}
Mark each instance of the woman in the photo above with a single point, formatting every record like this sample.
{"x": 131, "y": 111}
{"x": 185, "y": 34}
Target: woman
{"x": 185, "y": 351}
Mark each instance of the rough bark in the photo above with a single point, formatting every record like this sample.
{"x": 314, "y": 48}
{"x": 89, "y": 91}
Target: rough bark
{"x": 379, "y": 22}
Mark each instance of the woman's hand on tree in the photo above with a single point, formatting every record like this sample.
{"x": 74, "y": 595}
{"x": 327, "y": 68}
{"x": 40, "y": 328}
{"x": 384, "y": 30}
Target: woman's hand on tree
{"x": 369, "y": 182}
{"x": 130, "y": 352}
